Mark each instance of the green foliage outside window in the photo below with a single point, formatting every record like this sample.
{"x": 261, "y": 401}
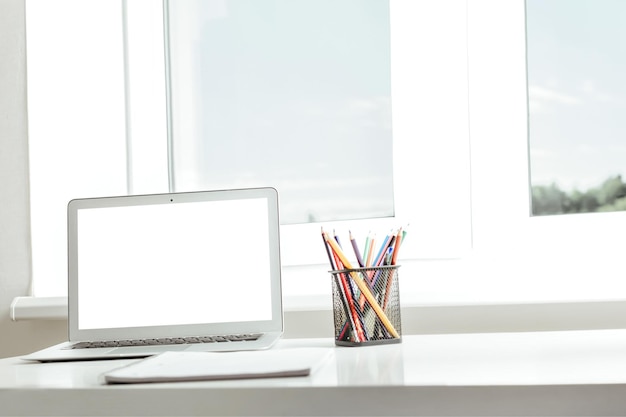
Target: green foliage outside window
{"x": 610, "y": 196}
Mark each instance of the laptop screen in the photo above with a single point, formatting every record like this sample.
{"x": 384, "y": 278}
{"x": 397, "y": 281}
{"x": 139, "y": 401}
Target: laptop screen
{"x": 166, "y": 261}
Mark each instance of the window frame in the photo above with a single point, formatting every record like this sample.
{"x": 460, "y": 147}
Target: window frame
{"x": 496, "y": 251}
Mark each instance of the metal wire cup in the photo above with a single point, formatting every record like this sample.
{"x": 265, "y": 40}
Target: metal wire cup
{"x": 366, "y": 306}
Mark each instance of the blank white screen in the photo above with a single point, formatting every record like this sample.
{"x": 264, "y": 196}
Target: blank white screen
{"x": 178, "y": 263}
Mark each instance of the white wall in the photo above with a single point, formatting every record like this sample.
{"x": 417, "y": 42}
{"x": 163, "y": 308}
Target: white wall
{"x": 16, "y": 337}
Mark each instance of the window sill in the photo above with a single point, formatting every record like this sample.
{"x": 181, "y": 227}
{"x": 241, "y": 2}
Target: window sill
{"x": 417, "y": 318}
{"x": 38, "y": 308}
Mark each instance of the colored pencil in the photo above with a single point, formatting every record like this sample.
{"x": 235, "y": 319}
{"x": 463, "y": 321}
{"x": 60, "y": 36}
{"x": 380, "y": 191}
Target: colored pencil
{"x": 330, "y": 257}
{"x": 366, "y": 248}
{"x": 396, "y": 247}
{"x": 348, "y": 292}
{"x": 370, "y": 252}
{"x": 378, "y": 261}
{"x": 357, "y": 253}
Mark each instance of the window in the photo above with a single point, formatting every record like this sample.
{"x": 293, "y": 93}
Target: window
{"x": 440, "y": 50}
{"x": 295, "y": 95}
{"x": 430, "y": 149}
{"x": 576, "y": 99}
{"x": 517, "y": 257}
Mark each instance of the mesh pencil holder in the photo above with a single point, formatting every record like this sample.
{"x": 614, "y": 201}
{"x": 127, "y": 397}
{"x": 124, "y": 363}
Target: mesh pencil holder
{"x": 366, "y": 306}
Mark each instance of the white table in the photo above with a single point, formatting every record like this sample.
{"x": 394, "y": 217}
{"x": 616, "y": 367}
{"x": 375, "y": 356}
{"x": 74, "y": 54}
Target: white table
{"x": 552, "y": 373}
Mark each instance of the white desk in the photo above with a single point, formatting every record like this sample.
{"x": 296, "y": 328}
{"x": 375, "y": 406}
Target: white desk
{"x": 564, "y": 373}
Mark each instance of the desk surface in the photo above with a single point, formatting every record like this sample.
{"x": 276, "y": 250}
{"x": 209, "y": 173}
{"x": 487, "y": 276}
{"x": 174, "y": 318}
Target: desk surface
{"x": 551, "y": 373}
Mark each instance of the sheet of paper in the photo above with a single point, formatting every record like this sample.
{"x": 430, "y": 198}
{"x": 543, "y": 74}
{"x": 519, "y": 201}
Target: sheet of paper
{"x": 202, "y": 366}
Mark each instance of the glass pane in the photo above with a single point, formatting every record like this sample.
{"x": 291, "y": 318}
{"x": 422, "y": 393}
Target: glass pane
{"x": 290, "y": 94}
{"x": 577, "y": 101}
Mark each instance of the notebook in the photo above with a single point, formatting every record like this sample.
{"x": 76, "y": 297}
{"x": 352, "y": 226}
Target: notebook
{"x": 203, "y": 366}
{"x": 196, "y": 271}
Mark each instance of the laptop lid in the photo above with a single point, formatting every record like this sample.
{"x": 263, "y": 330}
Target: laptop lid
{"x": 174, "y": 265}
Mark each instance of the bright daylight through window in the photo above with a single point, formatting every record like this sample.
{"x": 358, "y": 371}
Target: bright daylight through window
{"x": 312, "y": 109}
{"x": 577, "y": 99}
{"x": 292, "y": 94}
{"x": 457, "y": 76}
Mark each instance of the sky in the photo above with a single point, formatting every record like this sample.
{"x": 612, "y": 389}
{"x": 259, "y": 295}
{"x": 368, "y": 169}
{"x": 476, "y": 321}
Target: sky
{"x": 307, "y": 82}
{"x": 576, "y": 51}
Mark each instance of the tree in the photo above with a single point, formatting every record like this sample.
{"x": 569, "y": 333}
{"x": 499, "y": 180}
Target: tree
{"x": 609, "y": 196}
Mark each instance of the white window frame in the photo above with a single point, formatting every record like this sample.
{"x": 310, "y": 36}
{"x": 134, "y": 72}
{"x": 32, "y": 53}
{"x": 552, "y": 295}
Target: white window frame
{"x": 146, "y": 111}
{"x": 507, "y": 244}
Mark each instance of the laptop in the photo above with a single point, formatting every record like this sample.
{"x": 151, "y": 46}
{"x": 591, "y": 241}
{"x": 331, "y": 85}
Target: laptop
{"x": 194, "y": 271}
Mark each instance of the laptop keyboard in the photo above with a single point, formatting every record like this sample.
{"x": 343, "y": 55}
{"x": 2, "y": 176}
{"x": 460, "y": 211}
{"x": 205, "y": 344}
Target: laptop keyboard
{"x": 166, "y": 341}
